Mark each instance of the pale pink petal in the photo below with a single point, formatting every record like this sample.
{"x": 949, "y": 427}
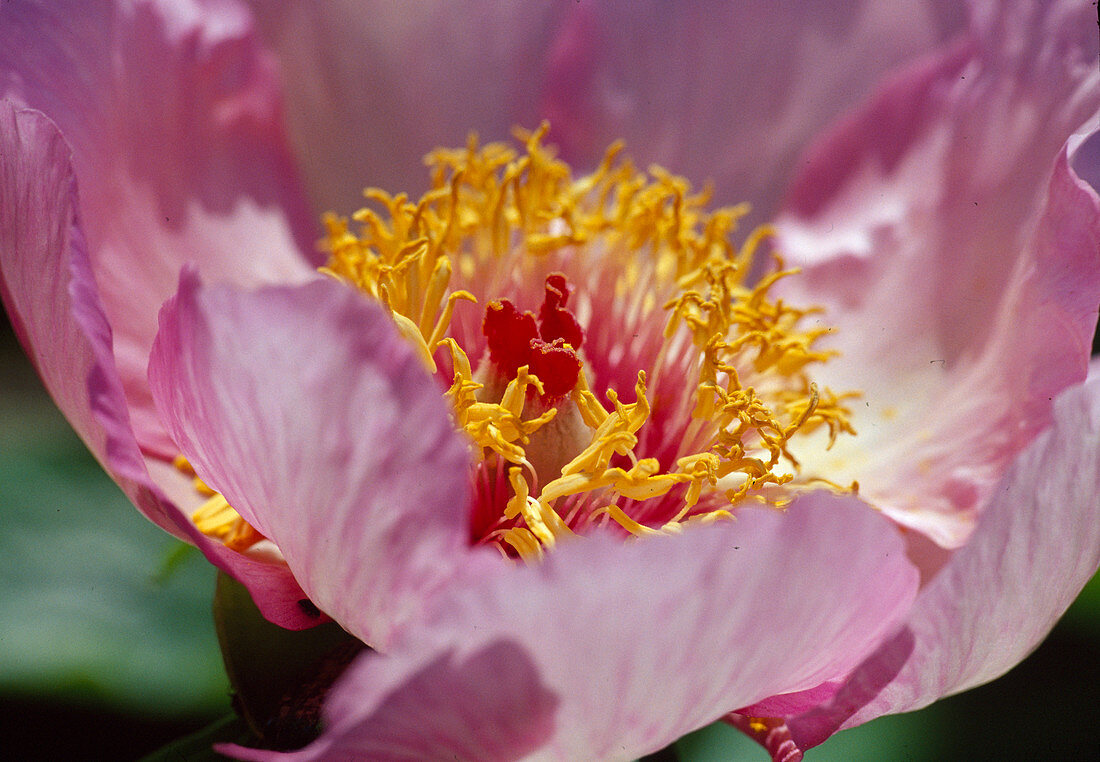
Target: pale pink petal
{"x": 305, "y": 408}
{"x": 173, "y": 114}
{"x": 1035, "y": 547}
{"x": 729, "y": 92}
{"x": 643, "y": 642}
{"x": 957, "y": 257}
{"x": 721, "y": 91}
{"x": 373, "y": 86}
{"x": 50, "y": 295}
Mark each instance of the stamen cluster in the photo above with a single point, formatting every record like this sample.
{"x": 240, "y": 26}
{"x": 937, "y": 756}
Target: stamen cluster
{"x": 641, "y": 288}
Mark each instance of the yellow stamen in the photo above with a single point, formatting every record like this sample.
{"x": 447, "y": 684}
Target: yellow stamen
{"x": 499, "y": 427}
{"x": 216, "y": 517}
{"x": 491, "y": 210}
{"x": 627, "y": 523}
{"x": 728, "y": 376}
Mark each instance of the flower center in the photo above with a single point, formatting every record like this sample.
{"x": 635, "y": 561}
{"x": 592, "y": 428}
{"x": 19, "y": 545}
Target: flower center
{"x": 641, "y": 293}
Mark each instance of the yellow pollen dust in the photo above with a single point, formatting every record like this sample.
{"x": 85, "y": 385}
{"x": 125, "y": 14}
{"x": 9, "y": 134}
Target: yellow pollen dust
{"x": 650, "y": 243}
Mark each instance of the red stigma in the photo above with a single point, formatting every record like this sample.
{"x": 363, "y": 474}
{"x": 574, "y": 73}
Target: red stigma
{"x": 555, "y": 321}
{"x": 510, "y": 334}
{"x": 556, "y": 365}
{"x": 548, "y": 347}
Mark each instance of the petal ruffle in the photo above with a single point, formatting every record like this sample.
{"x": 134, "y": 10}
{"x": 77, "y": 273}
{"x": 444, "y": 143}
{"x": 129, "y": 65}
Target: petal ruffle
{"x": 305, "y": 408}
{"x": 173, "y": 115}
{"x": 1035, "y": 547}
{"x": 48, "y": 289}
{"x": 960, "y": 271}
{"x": 717, "y": 617}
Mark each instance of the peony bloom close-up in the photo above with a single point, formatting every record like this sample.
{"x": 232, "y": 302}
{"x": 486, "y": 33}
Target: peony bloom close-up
{"x": 681, "y": 362}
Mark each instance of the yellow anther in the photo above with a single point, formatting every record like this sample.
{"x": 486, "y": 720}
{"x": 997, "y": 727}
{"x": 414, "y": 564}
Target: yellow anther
{"x": 215, "y": 517}
{"x": 641, "y": 482}
{"x": 498, "y": 427}
{"x": 543, "y": 522}
{"x": 597, "y": 455}
{"x": 757, "y": 725}
{"x": 702, "y": 470}
{"x": 592, "y": 412}
{"x": 434, "y": 295}
{"x": 627, "y": 523}
{"x": 710, "y": 517}
{"x": 614, "y": 435}
{"x": 515, "y": 394}
{"x": 523, "y": 542}
{"x": 463, "y": 391}
{"x": 524, "y": 505}
{"x": 807, "y": 411}
{"x": 444, "y": 320}
{"x": 409, "y": 331}
{"x": 630, "y": 417}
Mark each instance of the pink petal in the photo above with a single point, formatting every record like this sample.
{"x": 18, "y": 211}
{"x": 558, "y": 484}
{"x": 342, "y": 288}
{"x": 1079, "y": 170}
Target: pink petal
{"x": 729, "y": 92}
{"x": 960, "y": 271}
{"x": 641, "y": 642}
{"x": 374, "y": 86}
{"x": 50, "y": 295}
{"x": 712, "y": 90}
{"x": 49, "y": 292}
{"x": 1035, "y": 547}
{"x": 172, "y": 113}
{"x": 305, "y": 408}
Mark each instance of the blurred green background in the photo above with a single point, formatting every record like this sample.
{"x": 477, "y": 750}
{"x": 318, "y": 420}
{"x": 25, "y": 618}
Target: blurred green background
{"x": 107, "y": 646}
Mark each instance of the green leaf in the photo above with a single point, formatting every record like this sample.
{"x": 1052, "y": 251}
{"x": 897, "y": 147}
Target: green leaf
{"x": 100, "y": 606}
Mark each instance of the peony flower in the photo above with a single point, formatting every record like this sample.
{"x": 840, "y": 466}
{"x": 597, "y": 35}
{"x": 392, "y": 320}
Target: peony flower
{"x": 590, "y": 458}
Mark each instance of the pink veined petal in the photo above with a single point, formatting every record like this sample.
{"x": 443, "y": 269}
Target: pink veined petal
{"x": 1035, "y": 547}
{"x": 373, "y": 86}
{"x": 305, "y": 408}
{"x": 956, "y": 254}
{"x": 793, "y": 703}
{"x": 50, "y": 295}
{"x": 763, "y": 78}
{"x": 729, "y": 92}
{"x": 639, "y": 642}
{"x": 48, "y": 288}
{"x": 173, "y": 115}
